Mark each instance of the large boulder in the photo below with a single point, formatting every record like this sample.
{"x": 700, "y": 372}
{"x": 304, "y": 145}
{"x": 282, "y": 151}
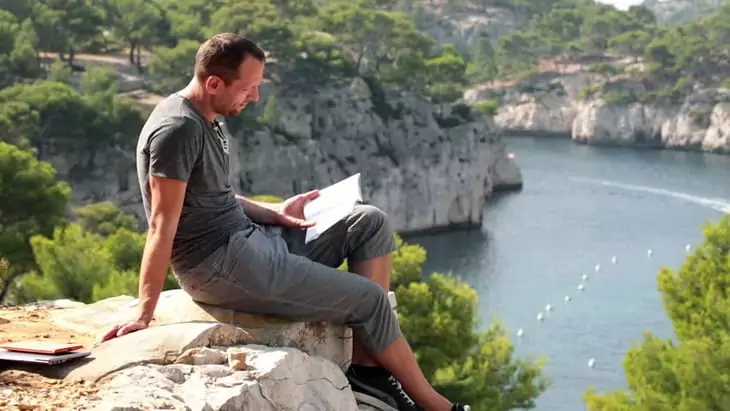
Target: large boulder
{"x": 175, "y": 306}
{"x": 269, "y": 379}
{"x": 199, "y": 357}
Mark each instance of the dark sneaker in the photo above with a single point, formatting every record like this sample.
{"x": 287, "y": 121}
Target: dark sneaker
{"x": 460, "y": 407}
{"x": 383, "y": 388}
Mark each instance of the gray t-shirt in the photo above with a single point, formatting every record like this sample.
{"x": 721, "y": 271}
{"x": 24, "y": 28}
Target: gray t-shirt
{"x": 178, "y": 142}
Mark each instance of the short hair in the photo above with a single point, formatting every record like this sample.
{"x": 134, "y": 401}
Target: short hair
{"x": 222, "y": 54}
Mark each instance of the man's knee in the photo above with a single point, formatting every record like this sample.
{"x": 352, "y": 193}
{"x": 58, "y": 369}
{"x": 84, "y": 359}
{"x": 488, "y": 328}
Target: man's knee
{"x": 370, "y": 218}
{"x": 369, "y": 233}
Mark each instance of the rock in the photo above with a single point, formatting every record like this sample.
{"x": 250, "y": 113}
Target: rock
{"x": 237, "y": 359}
{"x": 175, "y": 306}
{"x": 201, "y": 356}
{"x": 164, "y": 344}
{"x": 197, "y": 357}
{"x": 506, "y": 175}
{"x": 700, "y": 122}
{"x": 554, "y": 105}
{"x": 464, "y": 25}
{"x": 275, "y": 379}
{"x": 424, "y": 169}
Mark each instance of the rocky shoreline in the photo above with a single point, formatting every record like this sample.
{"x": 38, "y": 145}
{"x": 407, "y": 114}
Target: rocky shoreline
{"x": 557, "y": 105}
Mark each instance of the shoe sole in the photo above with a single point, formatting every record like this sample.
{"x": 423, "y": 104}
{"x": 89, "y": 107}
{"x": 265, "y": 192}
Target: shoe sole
{"x": 372, "y": 401}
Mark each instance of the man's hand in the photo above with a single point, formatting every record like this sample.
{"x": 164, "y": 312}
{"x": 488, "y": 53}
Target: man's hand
{"x": 292, "y": 210}
{"x": 123, "y": 329}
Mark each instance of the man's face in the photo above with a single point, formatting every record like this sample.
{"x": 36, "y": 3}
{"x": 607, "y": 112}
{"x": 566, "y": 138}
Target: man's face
{"x": 230, "y": 100}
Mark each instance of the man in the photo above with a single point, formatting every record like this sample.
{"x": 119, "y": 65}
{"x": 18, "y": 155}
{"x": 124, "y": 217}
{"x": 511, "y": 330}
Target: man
{"x": 229, "y": 251}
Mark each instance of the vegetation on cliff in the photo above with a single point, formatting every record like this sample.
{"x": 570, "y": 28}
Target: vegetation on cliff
{"x": 681, "y": 11}
{"x": 691, "y": 372}
{"x": 667, "y": 61}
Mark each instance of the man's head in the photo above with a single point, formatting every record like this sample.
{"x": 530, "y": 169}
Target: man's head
{"x": 229, "y": 69}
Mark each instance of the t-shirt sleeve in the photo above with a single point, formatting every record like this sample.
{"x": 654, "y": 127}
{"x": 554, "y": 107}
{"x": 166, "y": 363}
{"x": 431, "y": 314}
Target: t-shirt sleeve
{"x": 174, "y": 149}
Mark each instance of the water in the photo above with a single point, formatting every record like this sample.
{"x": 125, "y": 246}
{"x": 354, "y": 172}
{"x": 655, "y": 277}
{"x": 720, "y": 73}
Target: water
{"x": 580, "y": 206}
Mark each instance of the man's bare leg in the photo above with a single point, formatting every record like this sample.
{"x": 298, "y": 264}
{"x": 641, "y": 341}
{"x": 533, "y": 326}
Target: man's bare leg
{"x": 398, "y": 359}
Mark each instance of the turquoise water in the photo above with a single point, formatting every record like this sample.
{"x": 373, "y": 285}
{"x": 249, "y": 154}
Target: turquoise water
{"x": 580, "y": 206}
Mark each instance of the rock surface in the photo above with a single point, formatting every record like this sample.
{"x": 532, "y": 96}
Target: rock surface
{"x": 175, "y": 307}
{"x": 274, "y": 379}
{"x": 424, "y": 168}
{"x": 553, "y": 105}
{"x": 464, "y": 25}
{"x": 198, "y": 357}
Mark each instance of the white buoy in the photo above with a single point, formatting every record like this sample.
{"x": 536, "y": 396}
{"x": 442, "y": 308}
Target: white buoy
{"x": 687, "y": 247}
{"x": 520, "y": 332}
{"x": 597, "y": 267}
{"x": 649, "y": 252}
{"x": 548, "y": 308}
{"x": 584, "y": 277}
{"x": 613, "y": 260}
{"x": 581, "y": 287}
{"x": 539, "y": 317}
{"x": 567, "y": 298}
{"x": 592, "y": 362}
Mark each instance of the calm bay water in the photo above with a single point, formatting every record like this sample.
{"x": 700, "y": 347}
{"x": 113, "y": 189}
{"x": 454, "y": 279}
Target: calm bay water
{"x": 580, "y": 206}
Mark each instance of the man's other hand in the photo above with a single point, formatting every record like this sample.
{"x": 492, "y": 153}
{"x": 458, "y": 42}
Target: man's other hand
{"x": 292, "y": 210}
{"x": 123, "y": 329}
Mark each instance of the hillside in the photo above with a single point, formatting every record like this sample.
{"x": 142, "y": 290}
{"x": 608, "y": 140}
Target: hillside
{"x": 681, "y": 11}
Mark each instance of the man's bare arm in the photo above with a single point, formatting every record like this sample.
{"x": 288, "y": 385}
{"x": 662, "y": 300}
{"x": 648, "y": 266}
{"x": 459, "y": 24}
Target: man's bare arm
{"x": 259, "y": 211}
{"x": 165, "y": 207}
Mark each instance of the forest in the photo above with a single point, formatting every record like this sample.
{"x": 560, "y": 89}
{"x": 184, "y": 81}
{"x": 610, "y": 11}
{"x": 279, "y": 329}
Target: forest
{"x": 50, "y": 103}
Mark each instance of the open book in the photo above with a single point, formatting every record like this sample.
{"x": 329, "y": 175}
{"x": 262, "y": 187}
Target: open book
{"x": 333, "y": 204}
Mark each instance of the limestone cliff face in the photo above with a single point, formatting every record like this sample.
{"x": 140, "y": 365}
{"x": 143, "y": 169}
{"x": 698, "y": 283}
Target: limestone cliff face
{"x": 700, "y": 122}
{"x": 545, "y": 105}
{"x": 424, "y": 168}
{"x": 552, "y": 105}
{"x": 463, "y": 26}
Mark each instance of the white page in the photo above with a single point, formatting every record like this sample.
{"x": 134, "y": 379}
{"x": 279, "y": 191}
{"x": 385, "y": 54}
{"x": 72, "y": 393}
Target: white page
{"x": 334, "y": 203}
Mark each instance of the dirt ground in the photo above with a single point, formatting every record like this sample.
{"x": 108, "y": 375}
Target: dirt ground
{"x": 28, "y": 390}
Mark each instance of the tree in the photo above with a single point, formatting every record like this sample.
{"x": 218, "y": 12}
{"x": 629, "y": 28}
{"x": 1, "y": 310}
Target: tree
{"x": 94, "y": 258}
{"x": 446, "y": 75}
{"x": 32, "y": 202}
{"x": 692, "y": 372}
{"x": 439, "y": 317}
{"x": 104, "y": 218}
{"x": 260, "y": 21}
{"x": 141, "y": 23}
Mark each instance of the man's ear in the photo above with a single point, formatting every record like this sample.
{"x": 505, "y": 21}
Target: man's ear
{"x": 213, "y": 84}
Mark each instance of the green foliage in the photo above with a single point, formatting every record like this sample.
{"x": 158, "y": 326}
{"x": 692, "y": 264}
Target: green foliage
{"x": 104, "y": 218}
{"x": 32, "y": 201}
{"x": 267, "y": 198}
{"x": 270, "y": 116}
{"x": 487, "y": 107}
{"x": 57, "y": 115}
{"x": 439, "y": 317}
{"x": 97, "y": 257}
{"x": 691, "y": 373}
{"x": 586, "y": 31}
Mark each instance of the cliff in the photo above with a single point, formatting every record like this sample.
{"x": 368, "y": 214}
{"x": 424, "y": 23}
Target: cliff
{"x": 464, "y": 24}
{"x": 561, "y": 104}
{"x": 427, "y": 169}
{"x": 192, "y": 357}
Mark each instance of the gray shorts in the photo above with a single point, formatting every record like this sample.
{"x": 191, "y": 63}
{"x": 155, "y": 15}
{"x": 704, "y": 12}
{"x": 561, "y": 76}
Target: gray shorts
{"x": 271, "y": 271}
